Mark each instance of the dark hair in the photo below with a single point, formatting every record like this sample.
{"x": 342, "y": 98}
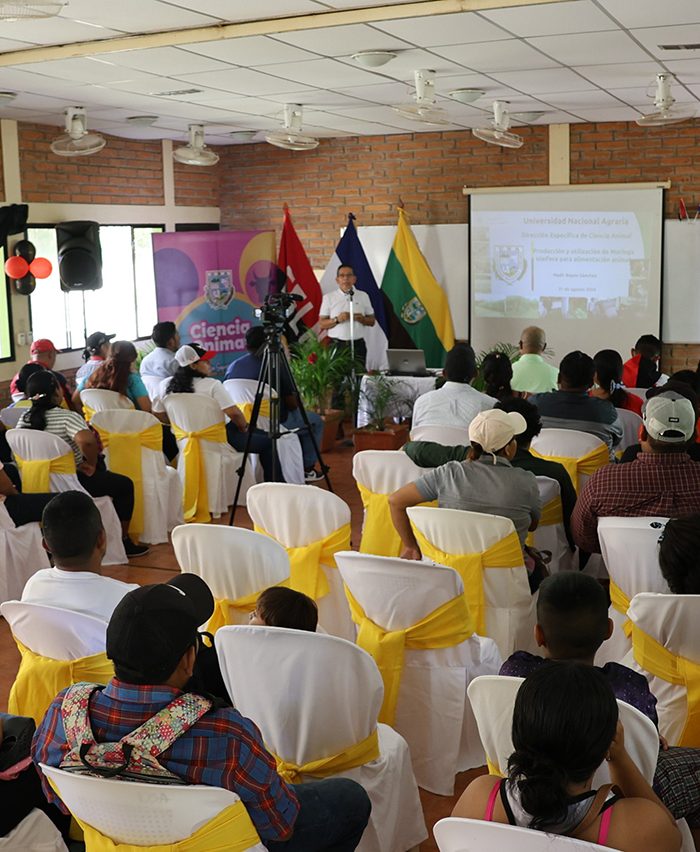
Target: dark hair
{"x": 183, "y": 380}
{"x": 163, "y": 333}
{"x": 649, "y": 346}
{"x": 529, "y": 412}
{"x": 41, "y": 389}
{"x": 344, "y": 266}
{"x": 576, "y": 370}
{"x": 255, "y": 338}
{"x": 460, "y": 363}
{"x": 608, "y": 373}
{"x": 497, "y": 371}
{"x": 647, "y": 372}
{"x": 282, "y": 607}
{"x": 564, "y": 721}
{"x": 71, "y": 524}
{"x": 24, "y": 374}
{"x": 686, "y": 377}
{"x": 679, "y": 555}
{"x": 113, "y": 374}
{"x": 572, "y": 609}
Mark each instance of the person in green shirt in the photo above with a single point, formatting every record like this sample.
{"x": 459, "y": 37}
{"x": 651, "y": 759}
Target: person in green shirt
{"x": 531, "y": 373}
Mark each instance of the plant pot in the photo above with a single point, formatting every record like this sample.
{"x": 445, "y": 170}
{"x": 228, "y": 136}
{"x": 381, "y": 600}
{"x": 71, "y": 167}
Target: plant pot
{"x": 331, "y": 423}
{"x": 392, "y": 438}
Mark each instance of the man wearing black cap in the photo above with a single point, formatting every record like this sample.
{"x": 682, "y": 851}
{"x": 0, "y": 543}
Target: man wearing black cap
{"x": 96, "y": 351}
{"x": 153, "y": 640}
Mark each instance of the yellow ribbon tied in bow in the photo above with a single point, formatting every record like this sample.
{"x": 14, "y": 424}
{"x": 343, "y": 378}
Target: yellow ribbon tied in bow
{"x": 583, "y": 466}
{"x": 621, "y": 603}
{"x": 36, "y": 473}
{"x": 195, "y": 498}
{"x": 125, "y": 458}
{"x": 351, "y": 757}
{"x": 448, "y": 625}
{"x": 379, "y": 535}
{"x": 40, "y": 679}
{"x": 306, "y": 574}
{"x": 246, "y": 409}
{"x": 551, "y": 514}
{"x": 506, "y": 553}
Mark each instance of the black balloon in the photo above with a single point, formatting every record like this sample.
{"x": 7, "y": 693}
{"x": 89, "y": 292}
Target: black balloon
{"x": 25, "y": 249}
{"x": 25, "y": 286}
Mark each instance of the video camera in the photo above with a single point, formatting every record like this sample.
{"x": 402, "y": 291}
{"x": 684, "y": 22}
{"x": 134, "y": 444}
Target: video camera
{"x": 275, "y": 310}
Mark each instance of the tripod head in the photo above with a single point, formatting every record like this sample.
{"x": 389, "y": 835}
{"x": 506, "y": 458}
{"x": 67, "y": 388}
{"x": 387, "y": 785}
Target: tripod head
{"x": 274, "y": 314}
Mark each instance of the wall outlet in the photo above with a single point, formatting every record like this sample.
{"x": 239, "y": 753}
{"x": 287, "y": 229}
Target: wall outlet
{"x": 21, "y": 338}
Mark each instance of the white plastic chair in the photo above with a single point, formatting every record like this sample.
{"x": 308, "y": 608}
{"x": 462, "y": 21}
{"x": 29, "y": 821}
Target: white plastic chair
{"x": 567, "y": 443}
{"x": 21, "y": 555}
{"x": 474, "y": 835}
{"x": 510, "y": 607}
{"x": 337, "y": 695}
{"x": 235, "y": 563}
{"x": 630, "y": 549}
{"x": 99, "y": 399}
{"x": 161, "y": 485}
{"x": 552, "y": 537}
{"x": 295, "y": 516}
{"x": 432, "y": 711}
{"x": 138, "y": 814}
{"x": 631, "y": 422}
{"x": 448, "y": 436}
{"x": 31, "y": 444}
{"x": 10, "y": 416}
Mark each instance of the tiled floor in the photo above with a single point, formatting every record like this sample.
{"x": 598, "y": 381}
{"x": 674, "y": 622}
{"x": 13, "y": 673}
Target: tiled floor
{"x": 159, "y": 565}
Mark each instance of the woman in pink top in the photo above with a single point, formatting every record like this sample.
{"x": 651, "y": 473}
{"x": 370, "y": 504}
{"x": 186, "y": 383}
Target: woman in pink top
{"x": 565, "y": 723}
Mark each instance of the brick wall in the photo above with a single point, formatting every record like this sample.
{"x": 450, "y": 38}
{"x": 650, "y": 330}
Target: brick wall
{"x": 2, "y": 178}
{"x": 197, "y": 186}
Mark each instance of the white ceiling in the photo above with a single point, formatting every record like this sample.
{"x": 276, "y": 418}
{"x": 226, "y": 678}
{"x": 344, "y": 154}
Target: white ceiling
{"x": 577, "y": 60}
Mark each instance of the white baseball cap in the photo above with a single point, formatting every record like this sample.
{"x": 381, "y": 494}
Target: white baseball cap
{"x": 494, "y": 429}
{"x": 669, "y": 418}
{"x": 191, "y": 353}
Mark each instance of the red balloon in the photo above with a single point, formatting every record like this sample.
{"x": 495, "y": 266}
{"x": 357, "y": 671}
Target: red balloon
{"x": 16, "y": 267}
{"x": 41, "y": 267}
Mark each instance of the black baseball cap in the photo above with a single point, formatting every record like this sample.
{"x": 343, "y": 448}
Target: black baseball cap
{"x": 97, "y": 339}
{"x": 153, "y": 626}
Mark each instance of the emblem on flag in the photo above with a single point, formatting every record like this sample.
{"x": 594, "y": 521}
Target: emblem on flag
{"x": 509, "y": 263}
{"x": 413, "y": 311}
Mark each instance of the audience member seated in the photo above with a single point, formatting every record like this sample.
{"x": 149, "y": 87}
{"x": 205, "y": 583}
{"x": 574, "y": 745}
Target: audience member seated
{"x": 96, "y": 352}
{"x": 679, "y": 555}
{"x": 687, "y": 377}
{"x": 497, "y": 373}
{"x": 683, "y": 389}
{"x": 486, "y": 482}
{"x": 43, "y": 352}
{"x": 22, "y": 508}
{"x": 456, "y": 403}
{"x": 248, "y": 367}
{"x": 565, "y": 723}
{"x": 642, "y": 369}
{"x": 282, "y": 607}
{"x": 607, "y": 381}
{"x": 118, "y": 373}
{"x": 153, "y": 640}
{"x": 531, "y": 373}
{"x": 46, "y": 415}
{"x": 663, "y": 480}
{"x": 20, "y": 397}
{"x": 571, "y": 407}
{"x": 76, "y": 540}
{"x": 161, "y": 362}
{"x": 193, "y": 376}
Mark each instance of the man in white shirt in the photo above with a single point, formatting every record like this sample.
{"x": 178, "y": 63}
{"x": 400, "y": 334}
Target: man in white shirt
{"x": 456, "y": 403}
{"x": 531, "y": 373}
{"x": 161, "y": 363}
{"x": 335, "y": 312}
{"x": 75, "y": 537}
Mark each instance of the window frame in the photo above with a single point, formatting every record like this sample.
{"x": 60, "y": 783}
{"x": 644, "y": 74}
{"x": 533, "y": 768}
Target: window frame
{"x": 10, "y": 316}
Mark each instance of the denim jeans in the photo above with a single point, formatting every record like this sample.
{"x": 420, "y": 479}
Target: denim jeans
{"x": 332, "y": 816}
{"x": 295, "y": 421}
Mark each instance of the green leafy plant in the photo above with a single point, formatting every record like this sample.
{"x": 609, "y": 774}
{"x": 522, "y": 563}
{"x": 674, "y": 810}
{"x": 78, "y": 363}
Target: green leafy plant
{"x": 509, "y": 349}
{"x": 383, "y": 398}
{"x": 320, "y": 371}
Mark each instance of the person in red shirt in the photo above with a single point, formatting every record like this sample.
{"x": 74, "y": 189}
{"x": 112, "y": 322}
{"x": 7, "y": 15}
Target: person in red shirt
{"x": 608, "y": 381}
{"x": 642, "y": 369}
{"x": 43, "y": 352}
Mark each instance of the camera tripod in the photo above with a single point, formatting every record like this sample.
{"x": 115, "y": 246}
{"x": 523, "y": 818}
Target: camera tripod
{"x": 273, "y": 369}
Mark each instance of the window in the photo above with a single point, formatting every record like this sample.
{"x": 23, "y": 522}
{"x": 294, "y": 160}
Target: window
{"x": 6, "y": 349}
{"x": 126, "y": 303}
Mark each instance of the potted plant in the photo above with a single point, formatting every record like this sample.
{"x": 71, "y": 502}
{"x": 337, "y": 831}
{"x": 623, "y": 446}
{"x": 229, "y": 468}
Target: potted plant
{"x": 386, "y": 402}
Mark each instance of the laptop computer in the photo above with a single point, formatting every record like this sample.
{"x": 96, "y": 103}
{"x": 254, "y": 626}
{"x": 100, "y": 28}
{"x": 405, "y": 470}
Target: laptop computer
{"x": 406, "y": 362}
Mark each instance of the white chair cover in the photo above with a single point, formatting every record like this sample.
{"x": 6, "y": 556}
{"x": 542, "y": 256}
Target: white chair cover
{"x": 568, "y": 443}
{"x": 141, "y": 814}
{"x": 234, "y": 562}
{"x": 448, "y": 436}
{"x": 52, "y": 632}
{"x": 630, "y": 549}
{"x": 474, "y": 835}
{"x": 510, "y": 608}
{"x": 337, "y": 693}
{"x": 152, "y": 384}
{"x": 288, "y": 446}
{"x": 432, "y": 711}
{"x": 384, "y": 471}
{"x": 10, "y": 416}
{"x": 552, "y": 537}
{"x": 21, "y": 554}
{"x": 296, "y": 515}
{"x": 193, "y": 412}
{"x": 162, "y": 488}
{"x": 631, "y": 422}
{"x": 99, "y": 399}
{"x": 35, "y": 832}
{"x": 32, "y": 444}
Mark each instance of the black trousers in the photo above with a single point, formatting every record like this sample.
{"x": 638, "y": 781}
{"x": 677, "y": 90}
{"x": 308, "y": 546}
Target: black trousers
{"x": 260, "y": 444}
{"x": 360, "y": 350}
{"x": 104, "y": 483}
{"x": 26, "y": 508}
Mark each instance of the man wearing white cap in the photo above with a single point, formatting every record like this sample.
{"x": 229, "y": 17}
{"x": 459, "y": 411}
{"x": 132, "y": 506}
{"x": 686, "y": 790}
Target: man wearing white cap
{"x": 662, "y": 481}
{"x": 486, "y": 482}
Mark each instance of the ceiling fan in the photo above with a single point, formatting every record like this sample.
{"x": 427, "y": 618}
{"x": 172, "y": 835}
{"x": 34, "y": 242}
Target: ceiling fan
{"x": 664, "y": 101}
{"x": 422, "y": 108}
{"x": 290, "y": 136}
{"x": 498, "y": 133}
{"x": 195, "y": 153}
{"x": 77, "y": 141}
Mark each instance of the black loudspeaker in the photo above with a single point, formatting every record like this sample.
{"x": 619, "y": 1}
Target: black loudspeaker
{"x": 79, "y": 256}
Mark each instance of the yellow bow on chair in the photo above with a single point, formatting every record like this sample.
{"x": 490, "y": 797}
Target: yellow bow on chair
{"x": 621, "y": 603}
{"x": 356, "y": 755}
{"x": 505, "y": 553}
{"x": 379, "y": 535}
{"x": 246, "y": 409}
{"x": 36, "y": 473}
{"x": 448, "y": 625}
{"x": 195, "y": 496}
{"x": 552, "y": 514}
{"x": 583, "y": 466}
{"x": 125, "y": 458}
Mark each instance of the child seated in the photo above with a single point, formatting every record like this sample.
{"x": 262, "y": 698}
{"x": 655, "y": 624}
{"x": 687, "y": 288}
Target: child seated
{"x": 282, "y": 607}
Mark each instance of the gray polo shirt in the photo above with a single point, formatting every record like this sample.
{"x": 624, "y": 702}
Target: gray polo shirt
{"x": 482, "y": 486}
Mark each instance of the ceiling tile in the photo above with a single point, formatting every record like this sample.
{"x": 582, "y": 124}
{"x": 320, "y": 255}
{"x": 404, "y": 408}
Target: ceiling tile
{"x": 84, "y": 69}
{"x": 408, "y": 61}
{"x": 574, "y": 16}
{"x": 620, "y": 76}
{"x": 642, "y": 13}
{"x": 243, "y": 81}
{"x": 534, "y": 82}
{"x": 644, "y": 97}
{"x": 358, "y": 4}
{"x": 163, "y": 61}
{"x": 510, "y": 55}
{"x": 322, "y": 73}
{"x": 8, "y": 44}
{"x": 316, "y": 96}
{"x": 251, "y": 51}
{"x": 621, "y": 113}
{"x": 385, "y": 93}
{"x": 571, "y": 100}
{"x": 133, "y": 16}
{"x": 244, "y": 10}
{"x": 652, "y": 37}
{"x": 463, "y": 27}
{"x": 577, "y": 49}
{"x": 685, "y": 70}
{"x": 342, "y": 41}
{"x": 58, "y": 30}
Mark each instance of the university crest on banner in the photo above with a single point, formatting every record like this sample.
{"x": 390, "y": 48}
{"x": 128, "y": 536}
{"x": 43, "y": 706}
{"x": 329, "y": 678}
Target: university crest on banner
{"x": 413, "y": 311}
{"x": 509, "y": 263}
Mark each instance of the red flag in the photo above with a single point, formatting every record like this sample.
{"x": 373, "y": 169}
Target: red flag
{"x": 300, "y": 278}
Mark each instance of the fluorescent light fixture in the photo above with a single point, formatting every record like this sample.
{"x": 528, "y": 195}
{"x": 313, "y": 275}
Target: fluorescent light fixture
{"x": 466, "y": 96}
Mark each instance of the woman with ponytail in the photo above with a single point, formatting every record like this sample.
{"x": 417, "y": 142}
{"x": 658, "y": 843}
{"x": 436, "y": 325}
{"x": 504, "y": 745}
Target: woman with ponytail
{"x": 608, "y": 381}
{"x": 118, "y": 373}
{"x": 497, "y": 372}
{"x": 565, "y": 723}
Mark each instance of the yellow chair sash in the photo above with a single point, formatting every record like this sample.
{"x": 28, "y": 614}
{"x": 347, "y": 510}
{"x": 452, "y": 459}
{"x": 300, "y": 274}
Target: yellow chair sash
{"x": 659, "y": 661}
{"x": 621, "y": 603}
{"x": 36, "y": 473}
{"x": 379, "y": 535}
{"x": 195, "y": 498}
{"x": 506, "y": 553}
{"x": 306, "y": 574}
{"x": 551, "y": 514}
{"x": 583, "y": 466}
{"x": 125, "y": 458}
{"x": 88, "y": 413}
{"x": 357, "y": 755}
{"x": 444, "y": 627}
{"x": 223, "y": 606}
{"x": 40, "y": 679}
{"x": 247, "y": 409}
